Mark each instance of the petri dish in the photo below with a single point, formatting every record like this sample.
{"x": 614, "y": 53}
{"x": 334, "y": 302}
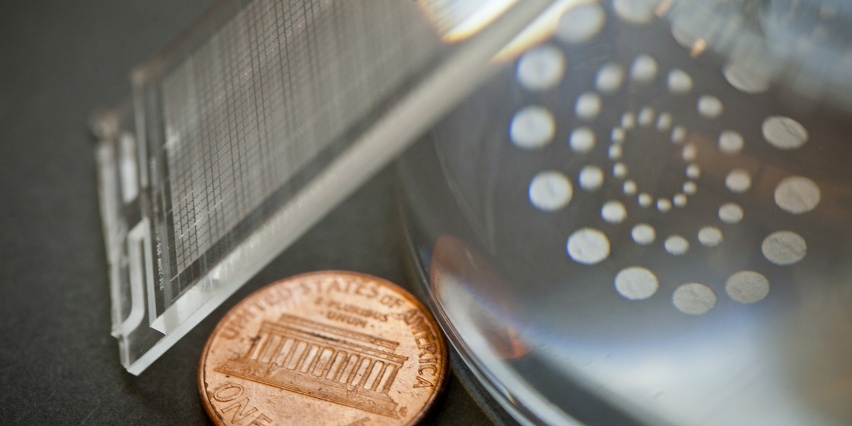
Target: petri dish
{"x": 644, "y": 219}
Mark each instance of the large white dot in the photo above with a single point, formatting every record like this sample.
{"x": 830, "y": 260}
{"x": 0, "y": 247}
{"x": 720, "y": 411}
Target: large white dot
{"x": 550, "y": 190}
{"x": 745, "y": 80}
{"x": 730, "y": 213}
{"x": 730, "y": 142}
{"x": 797, "y": 194}
{"x": 676, "y": 245}
{"x": 784, "y": 248}
{"x": 541, "y": 68}
{"x": 588, "y": 246}
{"x": 581, "y": 23}
{"x": 679, "y": 81}
{"x": 643, "y": 234}
{"x": 588, "y": 105}
{"x": 710, "y": 106}
{"x": 636, "y": 283}
{"x": 747, "y": 286}
{"x": 738, "y": 180}
{"x": 784, "y": 132}
{"x": 613, "y": 212}
{"x": 609, "y": 78}
{"x": 643, "y": 69}
{"x": 532, "y": 127}
{"x": 591, "y": 178}
{"x": 710, "y": 236}
{"x": 635, "y": 11}
{"x": 582, "y": 139}
{"x": 694, "y": 299}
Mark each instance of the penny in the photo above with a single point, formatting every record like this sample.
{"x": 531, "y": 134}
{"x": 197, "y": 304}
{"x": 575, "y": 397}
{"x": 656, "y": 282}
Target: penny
{"x": 325, "y": 348}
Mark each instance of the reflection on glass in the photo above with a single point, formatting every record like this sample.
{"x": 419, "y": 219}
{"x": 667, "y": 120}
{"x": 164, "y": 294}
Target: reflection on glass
{"x": 643, "y": 218}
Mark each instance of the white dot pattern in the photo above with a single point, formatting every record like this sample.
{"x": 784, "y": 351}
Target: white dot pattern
{"x": 541, "y": 68}
{"x": 550, "y": 191}
{"x": 636, "y": 283}
{"x": 694, "y": 299}
{"x": 588, "y": 246}
{"x": 797, "y": 195}
{"x": 532, "y": 127}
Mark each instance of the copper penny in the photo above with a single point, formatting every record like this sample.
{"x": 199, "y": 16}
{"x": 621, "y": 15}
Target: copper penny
{"x": 325, "y": 348}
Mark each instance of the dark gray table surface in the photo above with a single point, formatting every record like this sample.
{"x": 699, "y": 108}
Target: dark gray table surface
{"x": 59, "y": 61}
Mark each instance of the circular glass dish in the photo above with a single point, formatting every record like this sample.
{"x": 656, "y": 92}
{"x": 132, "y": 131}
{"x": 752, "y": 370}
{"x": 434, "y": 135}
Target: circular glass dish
{"x": 646, "y": 218}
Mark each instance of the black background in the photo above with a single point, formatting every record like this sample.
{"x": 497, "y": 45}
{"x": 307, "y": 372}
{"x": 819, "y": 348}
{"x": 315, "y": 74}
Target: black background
{"x": 59, "y": 61}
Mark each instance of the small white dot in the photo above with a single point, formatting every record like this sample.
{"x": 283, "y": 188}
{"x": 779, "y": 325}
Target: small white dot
{"x": 646, "y": 117}
{"x": 588, "y": 246}
{"x": 635, "y": 11}
{"x": 693, "y": 171}
{"x": 588, "y": 105}
{"x": 609, "y": 78}
{"x": 645, "y": 200}
{"x": 745, "y": 80}
{"x": 628, "y": 120}
{"x": 643, "y": 234}
{"x": 694, "y": 299}
{"x": 617, "y": 135}
{"x": 636, "y": 283}
{"x": 644, "y": 69}
{"x": 676, "y": 245}
{"x": 709, "y": 106}
{"x": 730, "y": 213}
{"x": 619, "y": 170}
{"x": 689, "y": 152}
{"x": 613, "y": 212}
{"x": 591, "y": 178}
{"x": 678, "y": 134}
{"x": 738, "y": 180}
{"x": 679, "y": 81}
{"x": 629, "y": 187}
{"x": 784, "y": 248}
{"x": 664, "y": 121}
{"x": 532, "y": 127}
{"x": 690, "y": 188}
{"x": 550, "y": 190}
{"x": 747, "y": 287}
{"x": 615, "y": 152}
{"x": 679, "y": 200}
{"x": 664, "y": 205}
{"x": 730, "y": 142}
{"x": 582, "y": 139}
{"x": 797, "y": 195}
{"x": 541, "y": 68}
{"x": 784, "y": 132}
{"x": 581, "y": 23}
{"x": 710, "y": 236}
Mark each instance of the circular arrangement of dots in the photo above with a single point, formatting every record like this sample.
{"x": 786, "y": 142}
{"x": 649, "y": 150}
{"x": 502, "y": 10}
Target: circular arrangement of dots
{"x": 533, "y": 127}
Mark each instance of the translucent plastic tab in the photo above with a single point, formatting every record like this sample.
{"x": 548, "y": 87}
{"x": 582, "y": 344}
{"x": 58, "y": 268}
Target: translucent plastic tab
{"x": 257, "y": 122}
